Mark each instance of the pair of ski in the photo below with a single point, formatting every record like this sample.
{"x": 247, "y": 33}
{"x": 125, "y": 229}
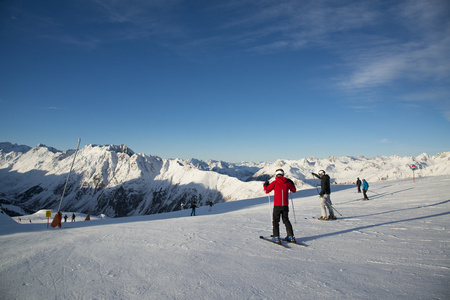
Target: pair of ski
{"x": 284, "y": 240}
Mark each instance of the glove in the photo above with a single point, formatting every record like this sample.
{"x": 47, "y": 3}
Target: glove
{"x": 266, "y": 183}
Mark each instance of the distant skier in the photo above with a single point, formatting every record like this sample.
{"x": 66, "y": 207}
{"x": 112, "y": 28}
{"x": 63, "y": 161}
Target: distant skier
{"x": 65, "y": 218}
{"x": 358, "y": 183}
{"x": 73, "y": 217}
{"x": 193, "y": 207}
{"x": 210, "y": 205}
{"x": 325, "y": 196}
{"x": 182, "y": 206}
{"x": 365, "y": 188}
{"x": 282, "y": 186}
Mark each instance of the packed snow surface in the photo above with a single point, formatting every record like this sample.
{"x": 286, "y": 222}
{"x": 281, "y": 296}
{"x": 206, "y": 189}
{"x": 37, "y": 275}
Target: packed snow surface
{"x": 394, "y": 246}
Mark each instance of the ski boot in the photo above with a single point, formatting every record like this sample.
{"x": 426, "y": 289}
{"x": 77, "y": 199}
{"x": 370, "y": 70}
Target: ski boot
{"x": 290, "y": 239}
{"x": 322, "y": 218}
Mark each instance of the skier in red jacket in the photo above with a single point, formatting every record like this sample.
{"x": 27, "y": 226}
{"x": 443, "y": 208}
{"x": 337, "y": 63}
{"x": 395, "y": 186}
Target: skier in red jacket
{"x": 282, "y": 186}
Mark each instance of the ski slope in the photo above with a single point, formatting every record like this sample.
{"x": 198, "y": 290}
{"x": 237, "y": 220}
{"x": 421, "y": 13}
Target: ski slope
{"x": 395, "y": 246}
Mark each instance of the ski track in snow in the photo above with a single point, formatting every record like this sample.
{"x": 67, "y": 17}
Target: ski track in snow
{"x": 394, "y": 246}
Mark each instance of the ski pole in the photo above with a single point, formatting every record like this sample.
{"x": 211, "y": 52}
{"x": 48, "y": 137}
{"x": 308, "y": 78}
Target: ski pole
{"x": 293, "y": 209}
{"x": 316, "y": 185}
{"x": 68, "y": 175}
{"x": 270, "y": 209}
{"x": 336, "y": 210}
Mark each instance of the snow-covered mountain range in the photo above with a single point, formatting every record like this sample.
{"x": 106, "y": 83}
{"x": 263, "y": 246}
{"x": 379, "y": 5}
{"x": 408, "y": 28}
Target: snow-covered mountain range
{"x": 115, "y": 181}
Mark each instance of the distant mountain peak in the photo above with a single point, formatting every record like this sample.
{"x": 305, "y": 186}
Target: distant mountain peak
{"x": 121, "y": 149}
{"x": 7, "y": 147}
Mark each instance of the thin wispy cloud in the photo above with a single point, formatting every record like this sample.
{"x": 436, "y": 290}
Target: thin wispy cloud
{"x": 140, "y": 19}
{"x": 131, "y": 20}
{"x": 447, "y": 113}
{"x": 438, "y": 97}
{"x": 417, "y": 56}
{"x": 381, "y": 44}
{"x": 386, "y": 63}
{"x": 373, "y": 60}
{"x": 52, "y": 108}
{"x": 293, "y": 25}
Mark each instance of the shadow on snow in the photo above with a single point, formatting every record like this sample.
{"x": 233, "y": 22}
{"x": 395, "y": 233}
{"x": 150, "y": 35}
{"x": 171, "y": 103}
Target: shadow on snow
{"x": 310, "y": 238}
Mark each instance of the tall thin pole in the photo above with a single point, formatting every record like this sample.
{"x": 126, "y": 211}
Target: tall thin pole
{"x": 316, "y": 185}
{"x": 270, "y": 209}
{"x": 68, "y": 175}
{"x": 335, "y": 210}
{"x": 293, "y": 209}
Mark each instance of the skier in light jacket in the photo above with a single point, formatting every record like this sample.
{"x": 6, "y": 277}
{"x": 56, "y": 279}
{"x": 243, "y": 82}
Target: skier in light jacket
{"x": 324, "y": 195}
{"x": 281, "y": 185}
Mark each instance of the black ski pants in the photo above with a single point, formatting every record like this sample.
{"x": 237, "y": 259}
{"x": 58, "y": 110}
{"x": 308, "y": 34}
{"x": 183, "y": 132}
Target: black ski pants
{"x": 365, "y": 195}
{"x": 283, "y": 212}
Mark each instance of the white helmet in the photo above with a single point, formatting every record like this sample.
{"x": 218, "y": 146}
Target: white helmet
{"x": 321, "y": 172}
{"x": 279, "y": 172}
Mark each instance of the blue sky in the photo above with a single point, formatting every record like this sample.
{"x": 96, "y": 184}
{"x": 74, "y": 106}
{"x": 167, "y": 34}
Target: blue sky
{"x": 228, "y": 80}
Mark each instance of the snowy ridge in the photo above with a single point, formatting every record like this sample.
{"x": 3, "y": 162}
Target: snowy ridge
{"x": 12, "y": 147}
{"x": 112, "y": 180}
{"x": 115, "y": 181}
{"x": 345, "y": 170}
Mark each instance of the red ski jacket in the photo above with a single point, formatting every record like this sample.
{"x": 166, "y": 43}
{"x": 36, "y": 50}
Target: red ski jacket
{"x": 281, "y": 185}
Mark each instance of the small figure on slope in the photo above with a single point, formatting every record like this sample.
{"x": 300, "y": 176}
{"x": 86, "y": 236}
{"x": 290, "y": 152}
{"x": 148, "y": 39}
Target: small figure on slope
{"x": 324, "y": 194}
{"x": 210, "y": 205}
{"x": 282, "y": 186}
{"x": 358, "y": 183}
{"x": 193, "y": 206}
{"x": 365, "y": 188}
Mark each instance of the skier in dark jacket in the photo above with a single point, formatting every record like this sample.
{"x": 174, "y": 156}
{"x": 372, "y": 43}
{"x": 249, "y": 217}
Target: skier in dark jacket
{"x": 210, "y": 205}
{"x": 193, "y": 206}
{"x": 358, "y": 183}
{"x": 324, "y": 194}
{"x": 282, "y": 186}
